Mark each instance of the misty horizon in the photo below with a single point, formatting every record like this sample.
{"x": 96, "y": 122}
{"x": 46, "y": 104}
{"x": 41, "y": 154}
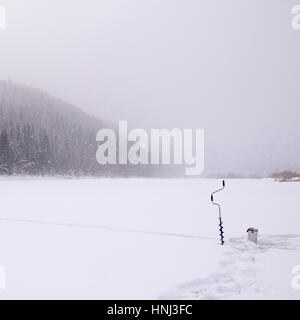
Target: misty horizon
{"x": 229, "y": 69}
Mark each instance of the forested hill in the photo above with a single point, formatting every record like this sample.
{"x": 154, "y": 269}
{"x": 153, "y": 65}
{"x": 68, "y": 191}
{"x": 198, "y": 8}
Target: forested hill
{"x": 40, "y": 134}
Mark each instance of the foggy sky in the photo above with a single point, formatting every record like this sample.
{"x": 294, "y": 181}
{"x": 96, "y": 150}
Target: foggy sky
{"x": 229, "y": 66}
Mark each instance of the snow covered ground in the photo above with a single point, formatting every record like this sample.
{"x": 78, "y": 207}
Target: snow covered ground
{"x": 147, "y": 239}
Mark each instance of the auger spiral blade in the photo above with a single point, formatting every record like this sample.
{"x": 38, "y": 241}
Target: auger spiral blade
{"x": 220, "y": 216}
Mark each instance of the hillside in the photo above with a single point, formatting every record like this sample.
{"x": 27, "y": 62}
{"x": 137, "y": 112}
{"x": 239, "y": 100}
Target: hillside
{"x": 40, "y": 134}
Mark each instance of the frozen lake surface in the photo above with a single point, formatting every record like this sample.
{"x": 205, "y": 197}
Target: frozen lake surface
{"x": 147, "y": 239}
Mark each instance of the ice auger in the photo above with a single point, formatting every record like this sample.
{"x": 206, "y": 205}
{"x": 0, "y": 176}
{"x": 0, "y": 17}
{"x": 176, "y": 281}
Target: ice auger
{"x": 220, "y": 216}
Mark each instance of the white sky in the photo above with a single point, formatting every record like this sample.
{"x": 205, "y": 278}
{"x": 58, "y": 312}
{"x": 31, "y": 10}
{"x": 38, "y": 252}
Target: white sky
{"x": 229, "y": 66}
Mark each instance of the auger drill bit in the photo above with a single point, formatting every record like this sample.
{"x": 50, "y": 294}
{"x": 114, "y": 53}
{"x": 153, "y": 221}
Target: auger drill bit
{"x": 220, "y": 216}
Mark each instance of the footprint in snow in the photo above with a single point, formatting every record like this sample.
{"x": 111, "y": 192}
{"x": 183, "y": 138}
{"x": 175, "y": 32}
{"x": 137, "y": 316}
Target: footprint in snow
{"x": 239, "y": 270}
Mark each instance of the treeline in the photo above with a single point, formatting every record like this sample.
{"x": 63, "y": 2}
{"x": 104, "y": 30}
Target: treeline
{"x": 26, "y": 150}
{"x": 41, "y": 135}
{"x": 286, "y": 175}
